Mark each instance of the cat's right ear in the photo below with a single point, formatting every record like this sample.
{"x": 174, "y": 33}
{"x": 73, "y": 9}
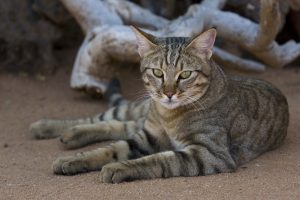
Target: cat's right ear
{"x": 145, "y": 44}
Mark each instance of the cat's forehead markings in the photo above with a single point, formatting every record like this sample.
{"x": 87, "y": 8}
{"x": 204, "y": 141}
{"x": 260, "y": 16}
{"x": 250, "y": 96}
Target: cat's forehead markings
{"x": 173, "y": 48}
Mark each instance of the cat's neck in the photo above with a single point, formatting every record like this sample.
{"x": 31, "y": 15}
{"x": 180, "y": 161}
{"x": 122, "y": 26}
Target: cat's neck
{"x": 217, "y": 87}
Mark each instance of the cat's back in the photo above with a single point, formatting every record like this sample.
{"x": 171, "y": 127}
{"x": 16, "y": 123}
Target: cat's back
{"x": 256, "y": 90}
{"x": 259, "y": 115}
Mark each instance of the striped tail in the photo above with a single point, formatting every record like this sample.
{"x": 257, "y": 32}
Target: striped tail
{"x": 113, "y": 93}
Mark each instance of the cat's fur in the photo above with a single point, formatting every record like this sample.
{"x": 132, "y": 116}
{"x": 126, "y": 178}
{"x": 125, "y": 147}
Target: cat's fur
{"x": 204, "y": 124}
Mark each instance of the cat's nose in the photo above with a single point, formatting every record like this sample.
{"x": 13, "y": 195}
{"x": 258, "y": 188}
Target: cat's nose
{"x": 169, "y": 94}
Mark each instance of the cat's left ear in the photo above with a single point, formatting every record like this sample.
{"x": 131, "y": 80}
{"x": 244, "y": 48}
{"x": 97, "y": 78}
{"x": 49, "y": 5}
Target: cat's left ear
{"x": 202, "y": 44}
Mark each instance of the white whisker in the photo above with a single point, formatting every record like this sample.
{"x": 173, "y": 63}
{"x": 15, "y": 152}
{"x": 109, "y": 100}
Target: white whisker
{"x": 195, "y": 103}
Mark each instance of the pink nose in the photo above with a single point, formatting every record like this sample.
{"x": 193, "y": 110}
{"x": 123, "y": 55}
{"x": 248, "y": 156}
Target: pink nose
{"x": 169, "y": 94}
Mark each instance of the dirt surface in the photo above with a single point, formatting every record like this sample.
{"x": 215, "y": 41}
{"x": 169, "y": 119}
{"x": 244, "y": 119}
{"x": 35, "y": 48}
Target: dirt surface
{"x": 25, "y": 163}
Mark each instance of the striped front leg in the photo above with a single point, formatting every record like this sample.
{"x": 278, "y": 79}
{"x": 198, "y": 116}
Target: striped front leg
{"x": 82, "y": 135}
{"x": 139, "y": 145}
{"x": 52, "y": 128}
{"x": 190, "y": 161}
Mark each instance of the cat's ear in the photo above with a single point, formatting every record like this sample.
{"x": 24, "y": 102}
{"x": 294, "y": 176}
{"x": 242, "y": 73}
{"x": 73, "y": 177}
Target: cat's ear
{"x": 203, "y": 44}
{"x": 144, "y": 40}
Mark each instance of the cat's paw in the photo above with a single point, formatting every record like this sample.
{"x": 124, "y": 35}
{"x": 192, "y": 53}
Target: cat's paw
{"x": 43, "y": 129}
{"x": 115, "y": 173}
{"x": 69, "y": 165}
{"x": 74, "y": 137}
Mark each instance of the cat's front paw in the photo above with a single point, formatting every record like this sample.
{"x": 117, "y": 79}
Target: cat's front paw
{"x": 115, "y": 173}
{"x": 75, "y": 137}
{"x": 43, "y": 129}
{"x": 69, "y": 165}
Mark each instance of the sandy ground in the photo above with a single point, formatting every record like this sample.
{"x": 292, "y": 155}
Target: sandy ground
{"x": 25, "y": 163}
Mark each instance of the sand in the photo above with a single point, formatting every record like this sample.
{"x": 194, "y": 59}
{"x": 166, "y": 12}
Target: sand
{"x": 25, "y": 163}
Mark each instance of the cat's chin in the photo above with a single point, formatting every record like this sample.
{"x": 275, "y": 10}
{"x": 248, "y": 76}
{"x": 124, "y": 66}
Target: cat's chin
{"x": 170, "y": 105}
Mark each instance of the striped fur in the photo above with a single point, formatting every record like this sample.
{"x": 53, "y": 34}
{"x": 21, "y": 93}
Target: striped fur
{"x": 216, "y": 124}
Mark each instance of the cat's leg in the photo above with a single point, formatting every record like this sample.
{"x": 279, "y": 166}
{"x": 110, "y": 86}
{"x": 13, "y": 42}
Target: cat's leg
{"x": 49, "y": 128}
{"x": 91, "y": 160}
{"x": 81, "y": 135}
{"x": 190, "y": 161}
{"x": 122, "y": 150}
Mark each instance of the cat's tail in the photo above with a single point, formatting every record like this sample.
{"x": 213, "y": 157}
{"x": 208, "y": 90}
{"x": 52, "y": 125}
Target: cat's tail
{"x": 113, "y": 93}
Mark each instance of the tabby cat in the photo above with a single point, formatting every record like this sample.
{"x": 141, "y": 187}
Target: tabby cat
{"x": 198, "y": 120}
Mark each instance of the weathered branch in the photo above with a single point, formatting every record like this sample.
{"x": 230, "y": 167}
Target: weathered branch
{"x": 214, "y": 4}
{"x": 231, "y": 61}
{"x": 92, "y": 13}
{"x": 270, "y": 22}
{"x": 100, "y": 46}
{"x": 244, "y": 32}
{"x": 134, "y": 14}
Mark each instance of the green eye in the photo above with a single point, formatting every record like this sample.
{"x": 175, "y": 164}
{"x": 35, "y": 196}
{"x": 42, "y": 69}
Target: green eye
{"x": 185, "y": 74}
{"x": 157, "y": 72}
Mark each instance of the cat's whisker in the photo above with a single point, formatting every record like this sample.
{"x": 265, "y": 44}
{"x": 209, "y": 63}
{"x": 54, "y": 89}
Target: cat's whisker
{"x": 193, "y": 102}
{"x": 197, "y": 102}
{"x": 194, "y": 106}
{"x": 142, "y": 95}
{"x": 142, "y": 91}
{"x": 142, "y": 98}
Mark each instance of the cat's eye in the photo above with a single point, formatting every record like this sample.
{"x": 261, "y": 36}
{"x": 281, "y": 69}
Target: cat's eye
{"x": 158, "y": 73}
{"x": 185, "y": 74}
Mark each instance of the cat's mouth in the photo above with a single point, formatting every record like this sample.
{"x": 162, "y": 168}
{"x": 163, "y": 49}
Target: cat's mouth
{"x": 170, "y": 104}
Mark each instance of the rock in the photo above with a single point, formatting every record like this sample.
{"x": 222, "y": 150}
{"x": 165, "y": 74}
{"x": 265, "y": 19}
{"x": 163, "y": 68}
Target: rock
{"x": 30, "y": 31}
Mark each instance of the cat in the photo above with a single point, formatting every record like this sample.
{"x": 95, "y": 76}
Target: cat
{"x": 197, "y": 121}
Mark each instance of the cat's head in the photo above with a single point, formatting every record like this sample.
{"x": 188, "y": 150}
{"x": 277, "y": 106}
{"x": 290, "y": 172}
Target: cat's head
{"x": 176, "y": 70}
